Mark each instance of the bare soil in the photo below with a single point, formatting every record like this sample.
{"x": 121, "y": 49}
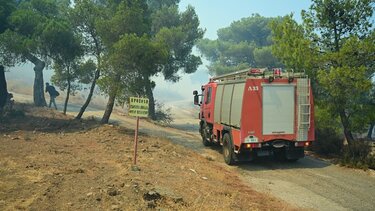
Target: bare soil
{"x": 49, "y": 161}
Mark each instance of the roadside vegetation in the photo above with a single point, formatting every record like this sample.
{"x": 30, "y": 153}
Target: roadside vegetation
{"x": 163, "y": 115}
{"x": 127, "y": 42}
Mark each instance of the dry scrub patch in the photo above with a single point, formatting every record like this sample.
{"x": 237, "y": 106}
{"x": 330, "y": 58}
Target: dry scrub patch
{"x": 49, "y": 161}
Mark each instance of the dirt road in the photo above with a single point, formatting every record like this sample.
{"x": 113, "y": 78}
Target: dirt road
{"x": 309, "y": 183}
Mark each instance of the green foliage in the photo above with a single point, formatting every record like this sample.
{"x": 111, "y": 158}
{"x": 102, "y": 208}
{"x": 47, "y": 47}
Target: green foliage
{"x": 358, "y": 155}
{"x": 76, "y": 74}
{"x": 61, "y": 43}
{"x": 85, "y": 71}
{"x": 6, "y": 8}
{"x": 29, "y": 27}
{"x": 292, "y": 46}
{"x": 155, "y": 5}
{"x": 11, "y": 48}
{"x": 131, "y": 40}
{"x": 131, "y": 58}
{"x": 143, "y": 39}
{"x": 335, "y": 44}
{"x": 252, "y": 29}
{"x": 129, "y": 17}
{"x": 263, "y": 57}
{"x": 180, "y": 39}
{"x": 335, "y": 20}
{"x": 166, "y": 16}
{"x": 328, "y": 140}
{"x": 123, "y": 34}
{"x": 244, "y": 43}
{"x": 140, "y": 54}
{"x": 85, "y": 17}
{"x": 325, "y": 119}
{"x": 347, "y": 88}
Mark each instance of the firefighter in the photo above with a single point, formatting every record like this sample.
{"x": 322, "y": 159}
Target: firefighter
{"x": 3, "y": 88}
{"x": 52, "y": 94}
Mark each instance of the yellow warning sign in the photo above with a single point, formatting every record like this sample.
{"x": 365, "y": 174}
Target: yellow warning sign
{"x": 138, "y": 107}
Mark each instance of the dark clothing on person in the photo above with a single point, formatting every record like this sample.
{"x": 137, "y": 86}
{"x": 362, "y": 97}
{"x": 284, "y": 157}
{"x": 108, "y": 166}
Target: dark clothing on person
{"x": 52, "y": 94}
{"x": 3, "y": 88}
{"x": 51, "y": 90}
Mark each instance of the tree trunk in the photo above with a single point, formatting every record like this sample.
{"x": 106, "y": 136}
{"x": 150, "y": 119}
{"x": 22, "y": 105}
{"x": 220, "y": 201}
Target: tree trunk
{"x": 3, "y": 88}
{"x": 39, "y": 99}
{"x": 67, "y": 96}
{"x": 347, "y": 132}
{"x": 109, "y": 108}
{"x": 88, "y": 100}
{"x": 150, "y": 96}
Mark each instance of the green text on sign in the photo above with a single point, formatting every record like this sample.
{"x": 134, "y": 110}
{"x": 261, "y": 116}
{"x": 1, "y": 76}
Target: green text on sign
{"x": 138, "y": 107}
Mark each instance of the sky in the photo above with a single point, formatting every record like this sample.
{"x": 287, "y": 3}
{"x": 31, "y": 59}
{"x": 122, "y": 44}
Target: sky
{"x": 213, "y": 15}
{"x": 216, "y": 14}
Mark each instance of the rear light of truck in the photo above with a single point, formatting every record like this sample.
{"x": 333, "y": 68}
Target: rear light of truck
{"x": 253, "y": 145}
{"x": 302, "y": 144}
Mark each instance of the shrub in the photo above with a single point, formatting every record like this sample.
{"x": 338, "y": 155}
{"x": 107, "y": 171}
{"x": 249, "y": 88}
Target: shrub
{"x": 163, "y": 115}
{"x": 358, "y": 155}
{"x": 328, "y": 142}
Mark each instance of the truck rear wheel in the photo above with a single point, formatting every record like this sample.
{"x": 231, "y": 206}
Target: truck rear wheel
{"x": 228, "y": 151}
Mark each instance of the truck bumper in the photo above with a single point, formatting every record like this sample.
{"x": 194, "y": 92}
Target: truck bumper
{"x": 289, "y": 153}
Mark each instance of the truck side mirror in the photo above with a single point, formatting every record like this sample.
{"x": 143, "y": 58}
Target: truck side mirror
{"x": 196, "y": 97}
{"x": 196, "y": 100}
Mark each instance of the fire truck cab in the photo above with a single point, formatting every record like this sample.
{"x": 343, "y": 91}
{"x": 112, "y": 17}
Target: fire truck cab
{"x": 257, "y": 112}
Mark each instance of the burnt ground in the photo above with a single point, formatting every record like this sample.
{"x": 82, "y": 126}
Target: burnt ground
{"x": 49, "y": 161}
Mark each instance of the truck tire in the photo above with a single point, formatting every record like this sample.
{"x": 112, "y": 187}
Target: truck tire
{"x": 228, "y": 151}
{"x": 205, "y": 134}
{"x": 292, "y": 155}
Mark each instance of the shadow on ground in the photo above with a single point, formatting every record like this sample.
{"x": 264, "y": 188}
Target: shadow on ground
{"x": 28, "y": 118}
{"x": 272, "y": 163}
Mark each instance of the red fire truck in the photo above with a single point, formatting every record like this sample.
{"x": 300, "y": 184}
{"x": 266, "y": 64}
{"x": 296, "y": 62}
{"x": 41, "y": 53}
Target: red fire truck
{"x": 257, "y": 112}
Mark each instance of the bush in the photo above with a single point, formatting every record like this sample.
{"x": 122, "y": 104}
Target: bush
{"x": 163, "y": 115}
{"x": 358, "y": 155}
{"x": 328, "y": 142}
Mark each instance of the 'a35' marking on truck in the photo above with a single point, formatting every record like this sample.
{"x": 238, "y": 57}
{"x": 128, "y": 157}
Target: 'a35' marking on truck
{"x": 253, "y": 88}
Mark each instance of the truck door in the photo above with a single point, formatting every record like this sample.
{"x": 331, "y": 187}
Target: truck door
{"x": 208, "y": 105}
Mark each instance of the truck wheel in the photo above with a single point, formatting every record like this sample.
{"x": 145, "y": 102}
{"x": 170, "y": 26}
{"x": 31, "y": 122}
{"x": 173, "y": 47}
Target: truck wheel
{"x": 228, "y": 151}
{"x": 205, "y": 133}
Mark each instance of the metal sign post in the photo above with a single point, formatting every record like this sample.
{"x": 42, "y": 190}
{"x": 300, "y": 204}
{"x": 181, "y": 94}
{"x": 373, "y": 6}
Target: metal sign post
{"x": 136, "y": 142}
{"x": 137, "y": 107}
